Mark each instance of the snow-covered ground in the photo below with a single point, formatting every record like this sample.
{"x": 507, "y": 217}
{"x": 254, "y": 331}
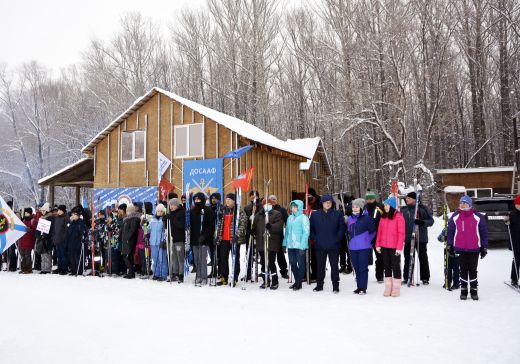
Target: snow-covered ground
{"x": 61, "y": 319}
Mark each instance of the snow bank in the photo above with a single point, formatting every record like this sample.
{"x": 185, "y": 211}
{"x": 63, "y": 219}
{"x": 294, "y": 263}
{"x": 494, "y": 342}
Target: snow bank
{"x": 55, "y": 319}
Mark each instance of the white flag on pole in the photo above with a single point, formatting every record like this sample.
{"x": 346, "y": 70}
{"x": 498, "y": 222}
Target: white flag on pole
{"x": 11, "y": 227}
{"x": 164, "y": 163}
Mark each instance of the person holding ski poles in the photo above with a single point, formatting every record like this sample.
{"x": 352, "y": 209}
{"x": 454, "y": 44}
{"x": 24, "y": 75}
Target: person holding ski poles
{"x": 468, "y": 237}
{"x": 374, "y": 210}
{"x": 423, "y": 221}
{"x": 158, "y": 244}
{"x": 273, "y": 226}
{"x": 215, "y": 204}
{"x": 390, "y": 243}
{"x": 175, "y": 225}
{"x": 327, "y": 231}
{"x": 296, "y": 240}
{"x": 452, "y": 270}
{"x": 225, "y": 237}
{"x": 361, "y": 229}
{"x": 513, "y": 222}
{"x": 201, "y": 220}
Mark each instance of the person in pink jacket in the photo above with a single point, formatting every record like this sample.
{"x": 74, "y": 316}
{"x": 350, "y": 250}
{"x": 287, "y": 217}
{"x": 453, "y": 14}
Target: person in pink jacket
{"x": 390, "y": 243}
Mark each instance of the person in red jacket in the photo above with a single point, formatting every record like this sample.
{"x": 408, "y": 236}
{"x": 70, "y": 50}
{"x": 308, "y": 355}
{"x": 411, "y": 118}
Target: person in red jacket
{"x": 390, "y": 243}
{"x": 27, "y": 241}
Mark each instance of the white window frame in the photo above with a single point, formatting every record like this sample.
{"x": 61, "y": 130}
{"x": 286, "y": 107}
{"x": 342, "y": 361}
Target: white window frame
{"x": 315, "y": 167}
{"x": 133, "y": 146}
{"x": 188, "y": 126}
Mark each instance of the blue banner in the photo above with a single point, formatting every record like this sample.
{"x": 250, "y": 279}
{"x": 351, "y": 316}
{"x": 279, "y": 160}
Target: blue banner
{"x": 203, "y": 175}
{"x": 111, "y": 197}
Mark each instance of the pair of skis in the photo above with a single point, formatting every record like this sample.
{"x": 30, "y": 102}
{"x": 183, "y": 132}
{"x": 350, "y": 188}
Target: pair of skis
{"x": 415, "y": 236}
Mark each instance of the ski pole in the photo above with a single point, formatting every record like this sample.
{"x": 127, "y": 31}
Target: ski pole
{"x": 513, "y": 251}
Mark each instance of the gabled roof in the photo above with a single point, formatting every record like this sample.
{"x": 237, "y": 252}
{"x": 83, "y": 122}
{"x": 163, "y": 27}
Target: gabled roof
{"x": 301, "y": 147}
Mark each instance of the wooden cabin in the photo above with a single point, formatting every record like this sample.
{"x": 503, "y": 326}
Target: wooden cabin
{"x": 479, "y": 182}
{"x": 125, "y": 154}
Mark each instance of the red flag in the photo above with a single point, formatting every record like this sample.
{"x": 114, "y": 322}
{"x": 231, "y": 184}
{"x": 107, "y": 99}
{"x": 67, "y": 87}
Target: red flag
{"x": 165, "y": 188}
{"x": 244, "y": 180}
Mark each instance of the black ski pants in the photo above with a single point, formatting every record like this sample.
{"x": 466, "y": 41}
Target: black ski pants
{"x": 391, "y": 263}
{"x": 468, "y": 262}
{"x": 321, "y": 257}
{"x": 424, "y": 266}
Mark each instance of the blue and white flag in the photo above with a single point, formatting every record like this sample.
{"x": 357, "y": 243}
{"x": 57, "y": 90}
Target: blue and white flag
{"x": 11, "y": 227}
{"x": 237, "y": 153}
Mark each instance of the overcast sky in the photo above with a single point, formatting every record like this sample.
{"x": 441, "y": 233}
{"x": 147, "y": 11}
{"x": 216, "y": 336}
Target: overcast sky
{"x": 55, "y": 32}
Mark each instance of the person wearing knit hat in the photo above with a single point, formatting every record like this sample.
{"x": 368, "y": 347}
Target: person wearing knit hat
{"x": 361, "y": 229}
{"x": 513, "y": 223}
{"x": 129, "y": 237}
{"x": 468, "y": 237}
{"x": 280, "y": 255}
{"x": 215, "y": 203}
{"x": 43, "y": 242}
{"x": 175, "y": 222}
{"x": 45, "y": 208}
{"x": 327, "y": 231}
{"x": 201, "y": 222}
{"x": 229, "y": 241}
{"x": 26, "y": 244}
{"x": 374, "y": 210}
{"x": 60, "y": 224}
{"x": 421, "y": 223}
{"x": 158, "y": 245}
{"x": 390, "y": 243}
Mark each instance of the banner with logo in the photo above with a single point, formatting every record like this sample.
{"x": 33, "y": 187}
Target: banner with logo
{"x": 112, "y": 197}
{"x": 203, "y": 175}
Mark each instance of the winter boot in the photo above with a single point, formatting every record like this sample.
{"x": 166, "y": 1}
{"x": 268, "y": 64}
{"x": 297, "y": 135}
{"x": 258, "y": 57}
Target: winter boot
{"x": 474, "y": 294}
{"x": 388, "y": 286}
{"x": 396, "y": 287}
{"x": 297, "y": 286}
{"x": 464, "y": 293}
{"x": 265, "y": 285}
{"x": 274, "y": 283}
{"x": 222, "y": 282}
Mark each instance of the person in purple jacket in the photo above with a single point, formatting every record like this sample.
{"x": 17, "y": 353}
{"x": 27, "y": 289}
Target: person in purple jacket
{"x": 468, "y": 237}
{"x": 361, "y": 231}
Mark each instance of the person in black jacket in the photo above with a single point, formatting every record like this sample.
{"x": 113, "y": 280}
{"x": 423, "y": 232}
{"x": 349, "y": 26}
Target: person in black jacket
{"x": 280, "y": 256}
{"x": 423, "y": 221}
{"x": 345, "y": 260}
{"x": 375, "y": 210}
{"x": 129, "y": 233}
{"x": 202, "y": 228}
{"x": 327, "y": 229}
{"x": 73, "y": 241}
{"x": 58, "y": 234}
{"x": 215, "y": 204}
{"x": 513, "y": 220}
{"x": 175, "y": 225}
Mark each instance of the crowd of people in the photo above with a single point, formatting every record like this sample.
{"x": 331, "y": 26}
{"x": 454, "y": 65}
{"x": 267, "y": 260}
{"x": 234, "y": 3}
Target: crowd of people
{"x": 166, "y": 242}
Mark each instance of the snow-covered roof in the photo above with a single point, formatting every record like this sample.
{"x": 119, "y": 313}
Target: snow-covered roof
{"x": 70, "y": 167}
{"x": 302, "y": 147}
{"x": 475, "y": 170}
{"x": 455, "y": 189}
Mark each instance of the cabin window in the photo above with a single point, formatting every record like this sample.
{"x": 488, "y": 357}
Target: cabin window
{"x": 189, "y": 140}
{"x": 315, "y": 167}
{"x": 132, "y": 145}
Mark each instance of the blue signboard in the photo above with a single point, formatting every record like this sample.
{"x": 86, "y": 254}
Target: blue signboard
{"x": 111, "y": 197}
{"x": 203, "y": 175}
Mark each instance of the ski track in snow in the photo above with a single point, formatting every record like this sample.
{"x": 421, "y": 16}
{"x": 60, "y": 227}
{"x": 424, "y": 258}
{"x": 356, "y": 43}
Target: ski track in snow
{"x": 61, "y": 319}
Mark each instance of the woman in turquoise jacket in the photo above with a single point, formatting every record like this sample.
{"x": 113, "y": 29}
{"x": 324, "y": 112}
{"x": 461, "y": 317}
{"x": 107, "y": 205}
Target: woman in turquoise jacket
{"x": 296, "y": 240}
{"x": 158, "y": 244}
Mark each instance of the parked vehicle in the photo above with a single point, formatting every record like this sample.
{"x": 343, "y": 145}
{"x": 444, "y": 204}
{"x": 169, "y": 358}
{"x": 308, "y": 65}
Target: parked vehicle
{"x": 495, "y": 208}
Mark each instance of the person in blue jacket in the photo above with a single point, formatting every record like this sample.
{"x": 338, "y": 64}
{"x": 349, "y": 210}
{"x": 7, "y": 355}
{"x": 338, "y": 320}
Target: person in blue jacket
{"x": 296, "y": 240}
{"x": 158, "y": 244}
{"x": 361, "y": 230}
{"x": 327, "y": 230}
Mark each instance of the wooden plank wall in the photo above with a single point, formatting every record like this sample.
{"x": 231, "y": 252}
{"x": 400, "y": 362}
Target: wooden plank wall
{"x": 163, "y": 114}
